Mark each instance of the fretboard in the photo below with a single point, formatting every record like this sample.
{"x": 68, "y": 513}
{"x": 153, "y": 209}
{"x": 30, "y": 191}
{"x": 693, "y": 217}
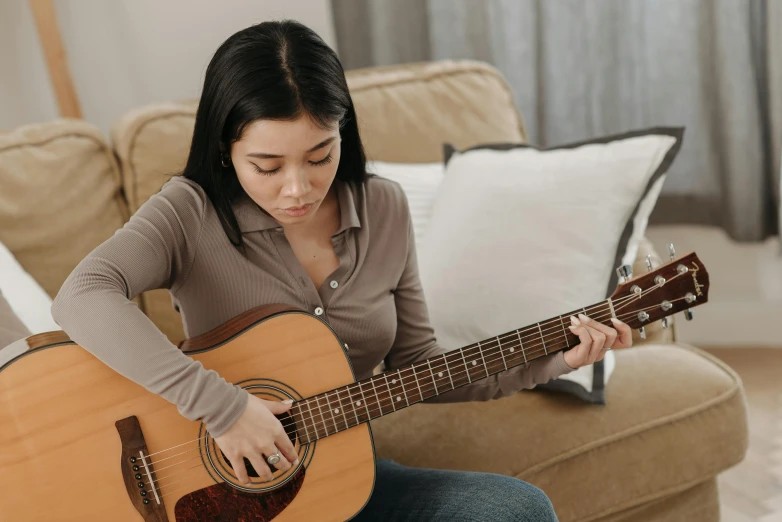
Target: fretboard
{"x": 329, "y": 413}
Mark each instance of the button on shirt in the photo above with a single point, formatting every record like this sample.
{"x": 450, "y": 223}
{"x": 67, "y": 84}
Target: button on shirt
{"x": 373, "y": 300}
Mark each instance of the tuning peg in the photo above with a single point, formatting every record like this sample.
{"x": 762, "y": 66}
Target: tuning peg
{"x": 671, "y": 251}
{"x": 642, "y": 331}
{"x": 665, "y": 322}
{"x": 625, "y": 273}
{"x": 688, "y": 314}
{"x": 649, "y": 263}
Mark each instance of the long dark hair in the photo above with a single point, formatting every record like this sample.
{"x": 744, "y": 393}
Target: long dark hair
{"x": 277, "y": 71}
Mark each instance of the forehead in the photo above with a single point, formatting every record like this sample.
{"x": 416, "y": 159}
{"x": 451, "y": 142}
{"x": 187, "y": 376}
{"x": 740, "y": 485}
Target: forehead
{"x": 282, "y": 136}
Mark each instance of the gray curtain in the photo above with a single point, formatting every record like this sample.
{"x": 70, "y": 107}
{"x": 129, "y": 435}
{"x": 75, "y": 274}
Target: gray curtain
{"x": 582, "y": 69}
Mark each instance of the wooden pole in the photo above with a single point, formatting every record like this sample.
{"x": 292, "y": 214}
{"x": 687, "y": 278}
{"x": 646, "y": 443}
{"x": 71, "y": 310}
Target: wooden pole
{"x": 56, "y": 60}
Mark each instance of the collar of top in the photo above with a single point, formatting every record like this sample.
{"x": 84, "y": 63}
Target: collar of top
{"x": 252, "y": 218}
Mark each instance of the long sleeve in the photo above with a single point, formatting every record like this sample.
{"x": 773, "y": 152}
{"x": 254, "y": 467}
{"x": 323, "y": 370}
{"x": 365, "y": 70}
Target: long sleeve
{"x": 155, "y": 249}
{"x": 415, "y": 341}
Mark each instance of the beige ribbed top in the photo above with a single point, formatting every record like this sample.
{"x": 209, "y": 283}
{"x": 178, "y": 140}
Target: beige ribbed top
{"x": 373, "y": 300}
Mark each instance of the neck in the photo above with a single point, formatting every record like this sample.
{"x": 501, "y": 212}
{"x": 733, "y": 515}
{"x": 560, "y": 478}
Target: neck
{"x": 342, "y": 408}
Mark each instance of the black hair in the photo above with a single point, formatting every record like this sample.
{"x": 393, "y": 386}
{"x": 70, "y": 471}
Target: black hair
{"x": 279, "y": 70}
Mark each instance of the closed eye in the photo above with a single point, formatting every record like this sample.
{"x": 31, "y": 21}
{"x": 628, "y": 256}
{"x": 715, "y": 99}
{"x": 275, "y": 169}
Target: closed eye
{"x": 324, "y": 161}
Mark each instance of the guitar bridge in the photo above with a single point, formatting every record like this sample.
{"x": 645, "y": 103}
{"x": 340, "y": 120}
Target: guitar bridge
{"x": 137, "y": 471}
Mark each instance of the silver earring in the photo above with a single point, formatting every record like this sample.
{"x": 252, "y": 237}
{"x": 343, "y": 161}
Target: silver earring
{"x": 225, "y": 161}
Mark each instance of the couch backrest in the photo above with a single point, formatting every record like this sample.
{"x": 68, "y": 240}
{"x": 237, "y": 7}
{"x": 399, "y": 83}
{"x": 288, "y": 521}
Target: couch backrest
{"x": 59, "y": 196}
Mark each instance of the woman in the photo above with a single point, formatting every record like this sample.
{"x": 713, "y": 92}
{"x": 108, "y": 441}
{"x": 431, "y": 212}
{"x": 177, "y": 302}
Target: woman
{"x": 275, "y": 206}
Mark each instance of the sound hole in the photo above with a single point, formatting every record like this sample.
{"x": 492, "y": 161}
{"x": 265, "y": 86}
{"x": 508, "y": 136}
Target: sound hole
{"x": 290, "y": 429}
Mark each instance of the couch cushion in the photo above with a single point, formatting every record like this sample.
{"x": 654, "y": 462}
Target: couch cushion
{"x": 675, "y": 417}
{"x": 59, "y": 196}
{"x": 406, "y": 112}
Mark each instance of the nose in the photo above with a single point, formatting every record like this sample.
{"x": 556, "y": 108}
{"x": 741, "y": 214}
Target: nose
{"x": 297, "y": 184}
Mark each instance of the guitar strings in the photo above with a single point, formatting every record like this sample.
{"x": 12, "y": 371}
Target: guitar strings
{"x": 521, "y": 331}
{"x": 545, "y": 329}
{"x": 161, "y": 485}
{"x": 380, "y": 404}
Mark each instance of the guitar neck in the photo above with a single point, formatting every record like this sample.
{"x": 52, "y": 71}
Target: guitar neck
{"x": 342, "y": 408}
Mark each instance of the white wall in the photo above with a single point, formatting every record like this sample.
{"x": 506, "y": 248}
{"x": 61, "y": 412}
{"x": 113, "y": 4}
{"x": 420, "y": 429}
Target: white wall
{"x": 745, "y": 287}
{"x": 126, "y": 53}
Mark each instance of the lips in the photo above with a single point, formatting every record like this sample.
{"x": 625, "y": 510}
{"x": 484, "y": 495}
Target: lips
{"x": 298, "y": 211}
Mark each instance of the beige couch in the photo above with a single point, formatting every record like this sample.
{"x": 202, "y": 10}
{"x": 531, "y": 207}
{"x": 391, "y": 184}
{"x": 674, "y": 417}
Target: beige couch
{"x": 675, "y": 417}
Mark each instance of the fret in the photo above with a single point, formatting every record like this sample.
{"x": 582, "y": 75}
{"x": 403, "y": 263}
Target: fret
{"x": 377, "y": 397}
{"x": 402, "y": 384}
{"x": 342, "y": 409}
{"x": 499, "y": 343}
{"x": 448, "y": 369}
{"x": 562, "y": 322}
{"x": 331, "y": 410}
{"x": 390, "y": 394}
{"x": 302, "y": 421}
{"x": 314, "y": 422}
{"x": 434, "y": 382}
{"x": 467, "y": 368}
{"x": 542, "y": 339}
{"x": 325, "y": 426}
{"x": 521, "y": 344}
{"x": 480, "y": 350}
{"x": 417, "y": 384}
{"x": 349, "y": 402}
{"x": 364, "y": 400}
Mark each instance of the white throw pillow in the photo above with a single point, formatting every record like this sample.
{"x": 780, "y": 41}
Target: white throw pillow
{"x": 420, "y": 182}
{"x": 520, "y": 234}
{"x": 30, "y": 303}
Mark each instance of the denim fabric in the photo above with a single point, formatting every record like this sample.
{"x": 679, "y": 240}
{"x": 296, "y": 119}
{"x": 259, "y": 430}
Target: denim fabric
{"x": 413, "y": 494}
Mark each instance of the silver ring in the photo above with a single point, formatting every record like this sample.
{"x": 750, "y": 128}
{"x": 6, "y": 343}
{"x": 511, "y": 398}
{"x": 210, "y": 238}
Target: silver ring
{"x": 273, "y": 459}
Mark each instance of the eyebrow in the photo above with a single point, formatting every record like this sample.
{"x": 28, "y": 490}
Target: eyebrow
{"x": 313, "y": 149}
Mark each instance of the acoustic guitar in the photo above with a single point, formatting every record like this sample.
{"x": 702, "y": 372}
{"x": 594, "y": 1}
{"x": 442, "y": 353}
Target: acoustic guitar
{"x": 80, "y": 442}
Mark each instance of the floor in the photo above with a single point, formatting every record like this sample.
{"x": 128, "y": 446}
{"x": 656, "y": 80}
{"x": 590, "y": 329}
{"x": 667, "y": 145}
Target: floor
{"x": 752, "y": 491}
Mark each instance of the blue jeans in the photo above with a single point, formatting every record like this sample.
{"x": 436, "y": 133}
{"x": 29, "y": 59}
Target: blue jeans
{"x": 402, "y": 493}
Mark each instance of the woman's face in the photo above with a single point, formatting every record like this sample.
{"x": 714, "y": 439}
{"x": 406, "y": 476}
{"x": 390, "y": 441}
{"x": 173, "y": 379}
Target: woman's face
{"x": 287, "y": 167}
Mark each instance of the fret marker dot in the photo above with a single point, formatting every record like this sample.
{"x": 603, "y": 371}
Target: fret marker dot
{"x": 474, "y": 363}
{"x": 398, "y": 399}
{"x": 358, "y": 403}
{"x": 440, "y": 374}
{"x": 510, "y": 350}
{"x": 336, "y": 410}
{"x": 393, "y": 381}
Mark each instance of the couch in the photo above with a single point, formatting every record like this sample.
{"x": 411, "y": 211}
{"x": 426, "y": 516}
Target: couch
{"x": 674, "y": 417}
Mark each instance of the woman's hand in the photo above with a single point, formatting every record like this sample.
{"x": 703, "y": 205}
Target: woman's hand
{"x": 596, "y": 340}
{"x": 256, "y": 435}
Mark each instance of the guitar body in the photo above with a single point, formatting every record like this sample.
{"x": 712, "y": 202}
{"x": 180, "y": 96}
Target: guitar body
{"x": 62, "y": 412}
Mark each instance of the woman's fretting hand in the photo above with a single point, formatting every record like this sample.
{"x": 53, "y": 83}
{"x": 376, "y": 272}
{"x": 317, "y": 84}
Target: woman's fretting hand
{"x": 596, "y": 339}
{"x": 256, "y": 435}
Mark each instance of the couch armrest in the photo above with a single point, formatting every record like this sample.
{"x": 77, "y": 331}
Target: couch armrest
{"x": 655, "y": 333}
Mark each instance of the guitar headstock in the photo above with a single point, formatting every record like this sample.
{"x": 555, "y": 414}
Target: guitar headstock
{"x": 676, "y": 286}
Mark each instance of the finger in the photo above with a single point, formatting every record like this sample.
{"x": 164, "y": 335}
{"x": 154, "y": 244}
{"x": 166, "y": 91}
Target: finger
{"x": 609, "y": 332}
{"x": 625, "y": 334}
{"x": 260, "y": 466}
{"x": 278, "y": 407}
{"x": 282, "y": 465}
{"x": 237, "y": 463}
{"x": 582, "y": 349}
{"x": 285, "y": 447}
{"x": 598, "y": 341}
